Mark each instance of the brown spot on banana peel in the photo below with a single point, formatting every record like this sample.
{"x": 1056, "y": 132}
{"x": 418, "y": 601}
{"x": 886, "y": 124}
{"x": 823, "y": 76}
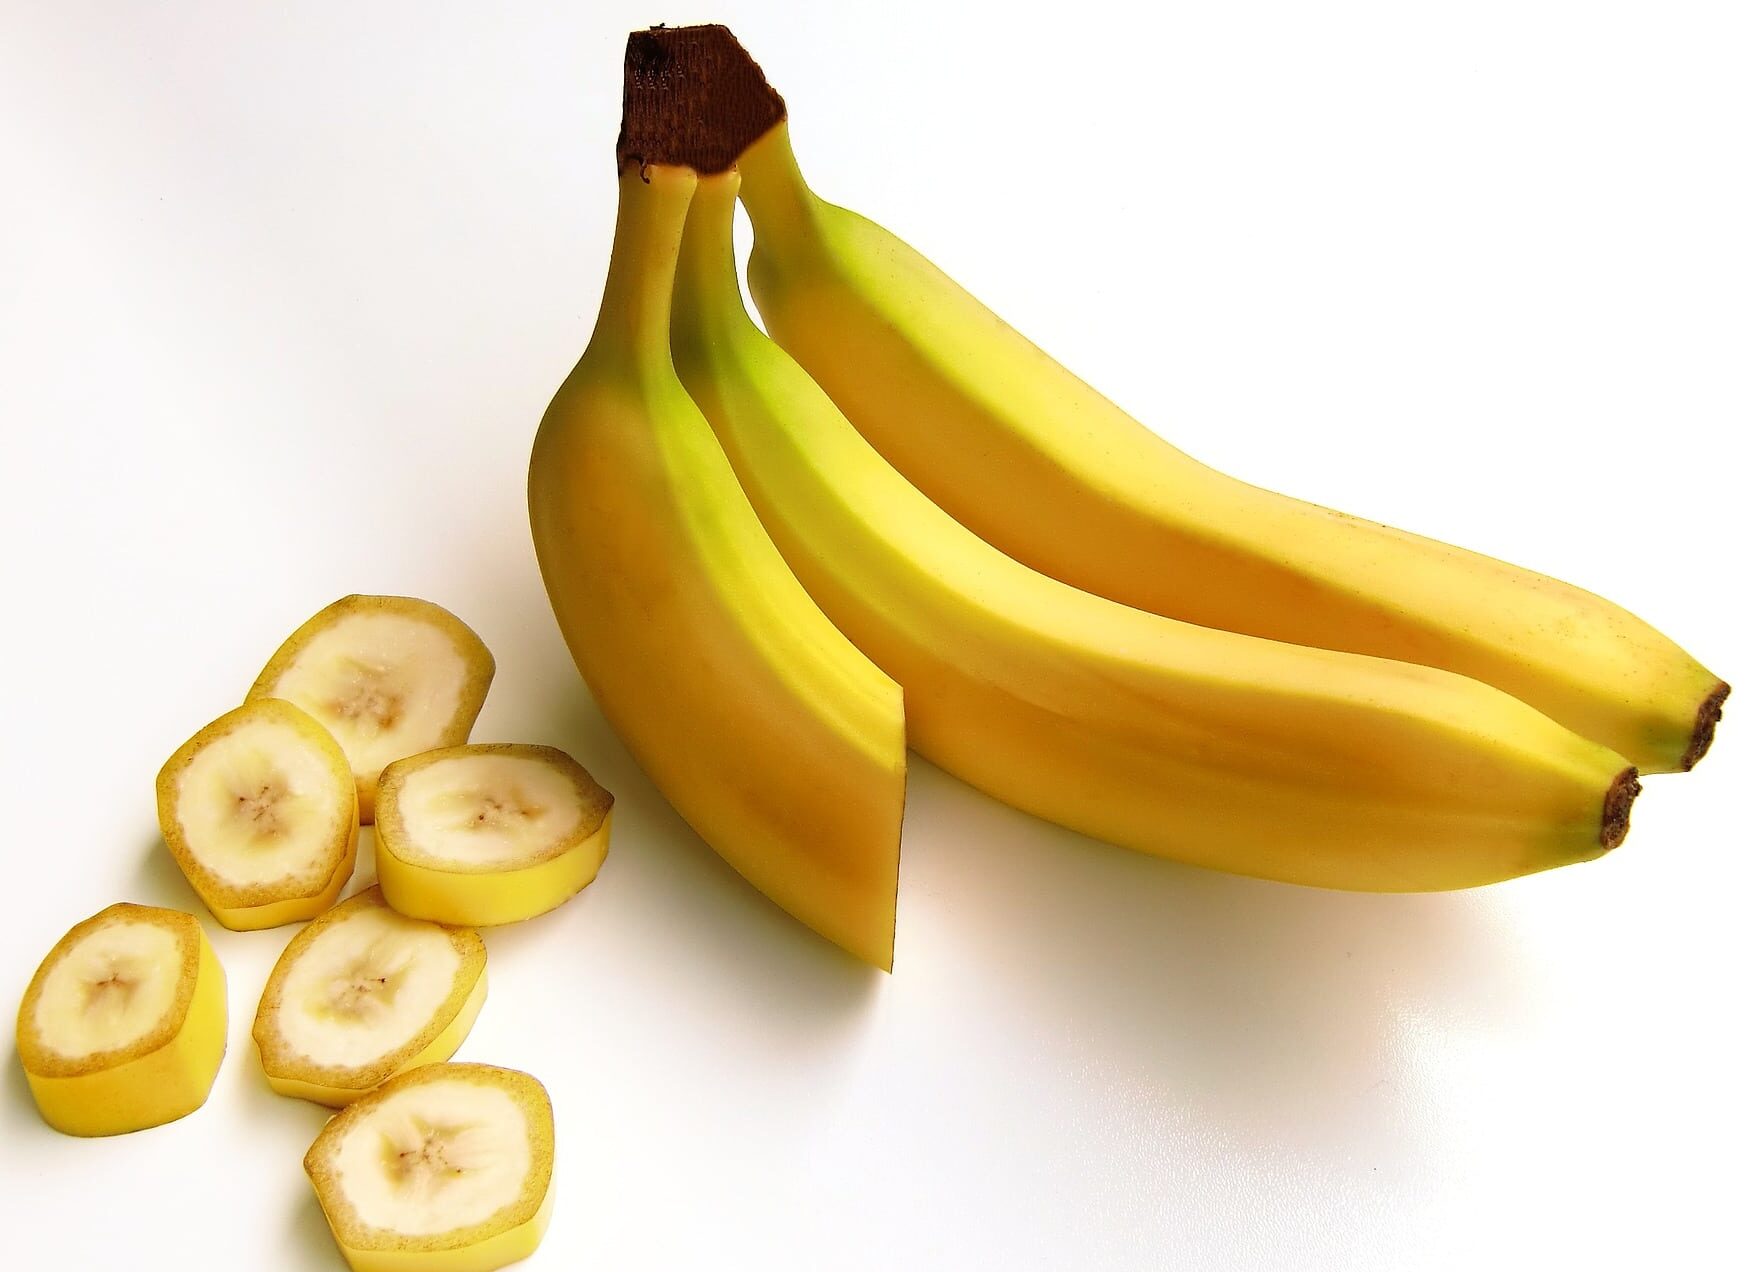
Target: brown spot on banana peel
{"x": 1616, "y": 809}
{"x": 1704, "y": 729}
{"x": 694, "y": 99}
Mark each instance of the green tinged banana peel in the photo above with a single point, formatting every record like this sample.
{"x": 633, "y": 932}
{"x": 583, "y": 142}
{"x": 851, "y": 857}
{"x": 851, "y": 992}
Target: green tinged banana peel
{"x": 778, "y": 741}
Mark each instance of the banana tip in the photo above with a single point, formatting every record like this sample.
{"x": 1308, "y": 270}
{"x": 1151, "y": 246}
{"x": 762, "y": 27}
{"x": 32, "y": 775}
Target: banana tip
{"x": 1704, "y": 728}
{"x": 1616, "y": 809}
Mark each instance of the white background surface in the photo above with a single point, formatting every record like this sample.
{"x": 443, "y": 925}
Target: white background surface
{"x": 283, "y": 292}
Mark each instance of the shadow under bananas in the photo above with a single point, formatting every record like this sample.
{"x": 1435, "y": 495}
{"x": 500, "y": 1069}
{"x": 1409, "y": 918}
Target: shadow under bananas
{"x": 159, "y": 880}
{"x": 18, "y": 1088}
{"x": 306, "y": 1229}
{"x": 1276, "y": 1017}
{"x": 719, "y": 938}
{"x": 733, "y": 940}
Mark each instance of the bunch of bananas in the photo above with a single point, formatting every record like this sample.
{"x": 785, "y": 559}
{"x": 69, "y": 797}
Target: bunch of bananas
{"x": 778, "y": 560}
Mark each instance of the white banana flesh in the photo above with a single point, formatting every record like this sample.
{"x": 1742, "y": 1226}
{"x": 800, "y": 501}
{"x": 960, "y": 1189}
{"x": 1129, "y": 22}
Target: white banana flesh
{"x": 388, "y": 676}
{"x": 258, "y": 805}
{"x": 109, "y": 990}
{"x": 261, "y": 812}
{"x": 362, "y": 994}
{"x": 366, "y": 987}
{"x": 488, "y": 810}
{"x": 447, "y": 1167}
{"x": 435, "y": 1157}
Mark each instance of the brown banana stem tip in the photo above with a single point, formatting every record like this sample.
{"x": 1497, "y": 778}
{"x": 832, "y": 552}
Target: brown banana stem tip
{"x": 1616, "y": 809}
{"x": 1704, "y": 729}
{"x": 693, "y": 98}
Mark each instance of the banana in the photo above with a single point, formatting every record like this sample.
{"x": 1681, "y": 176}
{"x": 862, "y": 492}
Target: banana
{"x": 388, "y": 676}
{"x": 261, "y": 812}
{"x": 447, "y": 1168}
{"x": 1214, "y": 748}
{"x": 123, "y": 1025}
{"x": 487, "y": 834}
{"x": 1037, "y": 463}
{"x": 362, "y": 994}
{"x": 777, "y": 740}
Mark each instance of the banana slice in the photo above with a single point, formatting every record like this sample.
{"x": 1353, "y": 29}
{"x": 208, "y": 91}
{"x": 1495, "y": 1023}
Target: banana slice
{"x": 123, "y": 1025}
{"x": 260, "y": 810}
{"x": 387, "y": 675}
{"x": 362, "y": 994}
{"x": 488, "y": 834}
{"x": 447, "y": 1168}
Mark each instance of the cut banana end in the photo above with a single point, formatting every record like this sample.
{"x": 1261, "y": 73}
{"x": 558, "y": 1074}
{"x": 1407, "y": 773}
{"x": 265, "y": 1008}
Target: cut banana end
{"x": 363, "y": 994}
{"x": 488, "y": 834}
{"x": 123, "y": 1026}
{"x": 448, "y": 1167}
{"x": 388, "y": 676}
{"x": 261, "y": 812}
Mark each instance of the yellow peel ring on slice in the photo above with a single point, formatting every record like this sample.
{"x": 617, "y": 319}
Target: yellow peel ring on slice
{"x": 488, "y": 834}
{"x": 123, "y": 1026}
{"x": 365, "y": 993}
{"x": 260, "y": 811}
{"x": 447, "y": 1168}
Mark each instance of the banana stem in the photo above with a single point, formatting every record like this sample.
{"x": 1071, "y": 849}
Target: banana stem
{"x": 706, "y": 300}
{"x": 692, "y": 97}
{"x": 775, "y": 193}
{"x": 637, "y": 303}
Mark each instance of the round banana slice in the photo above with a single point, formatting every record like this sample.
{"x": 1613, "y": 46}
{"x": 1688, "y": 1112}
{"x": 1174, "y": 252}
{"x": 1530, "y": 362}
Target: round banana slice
{"x": 260, "y": 810}
{"x": 362, "y": 994}
{"x": 386, "y": 675}
{"x": 447, "y": 1168}
{"x": 490, "y": 833}
{"x": 123, "y": 1025}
